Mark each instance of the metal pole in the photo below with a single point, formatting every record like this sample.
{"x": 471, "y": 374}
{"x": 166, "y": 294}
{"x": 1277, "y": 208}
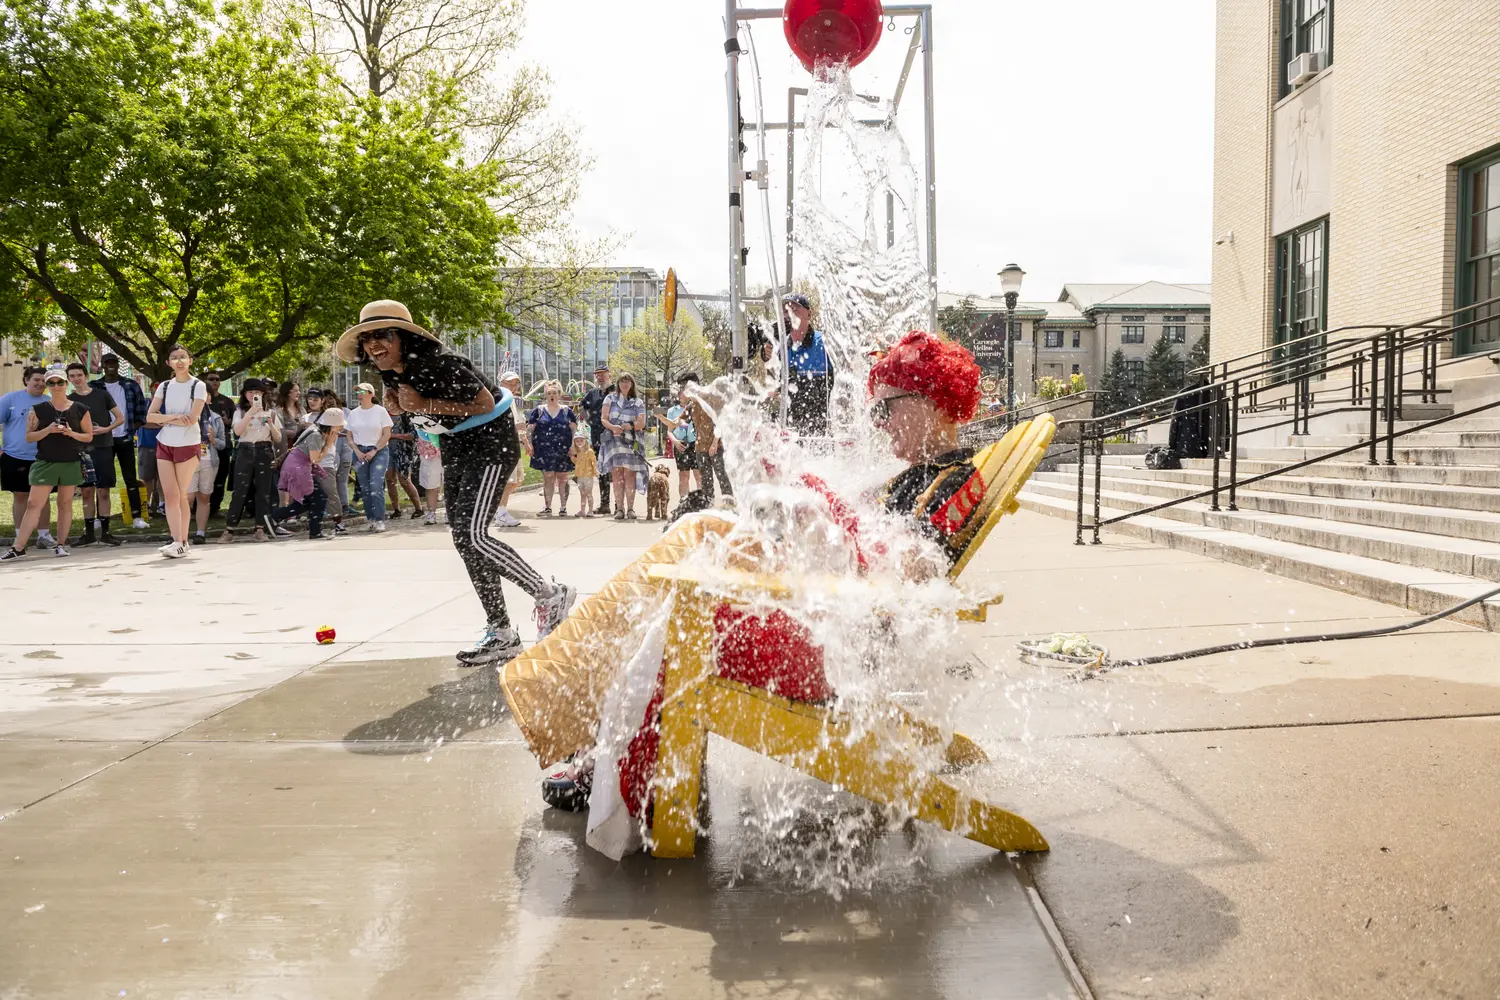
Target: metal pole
{"x": 1234, "y": 448}
{"x": 1374, "y": 400}
{"x": 1391, "y": 361}
{"x": 1217, "y": 397}
{"x": 738, "y": 347}
{"x": 1010, "y": 359}
{"x": 1083, "y": 461}
{"x": 931, "y": 142}
{"x": 1036, "y": 359}
{"x": 791, "y": 176}
{"x": 1098, "y": 478}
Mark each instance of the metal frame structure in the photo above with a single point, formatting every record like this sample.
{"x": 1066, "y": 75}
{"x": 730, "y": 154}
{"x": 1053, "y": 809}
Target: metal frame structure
{"x": 739, "y": 253}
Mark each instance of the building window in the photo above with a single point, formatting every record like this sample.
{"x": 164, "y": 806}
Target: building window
{"x": 1479, "y": 255}
{"x": 1077, "y": 341}
{"x": 1133, "y": 334}
{"x": 1175, "y": 334}
{"x": 1077, "y": 370}
{"x": 1306, "y": 26}
{"x": 1135, "y": 372}
{"x": 1054, "y": 339}
{"x": 1301, "y": 283}
{"x": 1132, "y": 319}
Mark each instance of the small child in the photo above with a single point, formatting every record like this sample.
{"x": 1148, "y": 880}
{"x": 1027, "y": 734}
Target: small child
{"x": 585, "y": 472}
{"x": 429, "y": 474}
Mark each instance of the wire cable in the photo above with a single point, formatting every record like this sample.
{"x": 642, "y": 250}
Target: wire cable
{"x": 1103, "y": 664}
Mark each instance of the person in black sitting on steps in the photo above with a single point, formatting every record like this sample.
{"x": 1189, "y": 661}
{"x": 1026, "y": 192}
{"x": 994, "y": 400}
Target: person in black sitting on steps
{"x": 447, "y": 396}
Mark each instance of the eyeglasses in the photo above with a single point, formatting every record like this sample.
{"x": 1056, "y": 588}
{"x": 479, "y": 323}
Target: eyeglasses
{"x": 880, "y": 410}
{"x": 369, "y": 335}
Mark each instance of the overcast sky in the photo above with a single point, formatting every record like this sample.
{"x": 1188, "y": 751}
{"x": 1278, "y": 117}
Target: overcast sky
{"x": 1073, "y": 137}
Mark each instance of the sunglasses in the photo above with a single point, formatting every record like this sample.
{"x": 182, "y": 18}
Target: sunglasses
{"x": 57, "y": 381}
{"x": 372, "y": 335}
{"x": 880, "y": 410}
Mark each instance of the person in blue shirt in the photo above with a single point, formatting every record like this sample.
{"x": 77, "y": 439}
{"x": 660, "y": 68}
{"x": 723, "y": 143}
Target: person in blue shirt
{"x": 810, "y": 373}
{"x": 17, "y": 454}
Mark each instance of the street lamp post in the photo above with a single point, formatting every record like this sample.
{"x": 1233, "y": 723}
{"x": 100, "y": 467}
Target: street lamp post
{"x": 1010, "y": 287}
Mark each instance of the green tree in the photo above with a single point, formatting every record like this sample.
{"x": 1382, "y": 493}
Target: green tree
{"x": 716, "y": 331}
{"x": 1164, "y": 371}
{"x": 657, "y": 352}
{"x": 1198, "y": 357}
{"x": 960, "y": 322}
{"x": 176, "y": 174}
{"x": 1118, "y": 387}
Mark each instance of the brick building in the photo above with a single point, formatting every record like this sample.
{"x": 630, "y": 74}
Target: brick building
{"x": 1356, "y": 166}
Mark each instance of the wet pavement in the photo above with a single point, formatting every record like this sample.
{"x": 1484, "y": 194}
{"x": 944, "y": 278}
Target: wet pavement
{"x": 197, "y": 801}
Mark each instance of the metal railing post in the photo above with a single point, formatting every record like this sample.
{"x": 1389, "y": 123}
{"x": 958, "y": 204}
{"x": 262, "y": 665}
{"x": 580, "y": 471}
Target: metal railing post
{"x": 1374, "y": 400}
{"x": 1390, "y": 400}
{"x": 1083, "y": 438}
{"x": 1234, "y": 446}
{"x": 1214, "y": 424}
{"x": 1098, "y": 479}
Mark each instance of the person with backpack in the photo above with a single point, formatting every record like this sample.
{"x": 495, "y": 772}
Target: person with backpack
{"x": 176, "y": 411}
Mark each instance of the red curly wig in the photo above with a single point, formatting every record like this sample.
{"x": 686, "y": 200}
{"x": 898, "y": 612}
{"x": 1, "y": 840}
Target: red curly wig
{"x": 936, "y": 368}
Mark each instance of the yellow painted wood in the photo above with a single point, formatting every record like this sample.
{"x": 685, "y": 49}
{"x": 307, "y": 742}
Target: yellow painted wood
{"x": 684, "y": 730}
{"x": 817, "y": 742}
{"x": 1006, "y": 465}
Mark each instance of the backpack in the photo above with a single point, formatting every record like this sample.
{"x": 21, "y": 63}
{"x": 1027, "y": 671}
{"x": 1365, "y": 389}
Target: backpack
{"x": 1162, "y": 458}
{"x": 205, "y": 426}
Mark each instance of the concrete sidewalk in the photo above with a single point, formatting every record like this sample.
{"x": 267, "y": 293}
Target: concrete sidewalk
{"x": 196, "y": 800}
{"x": 1308, "y": 821}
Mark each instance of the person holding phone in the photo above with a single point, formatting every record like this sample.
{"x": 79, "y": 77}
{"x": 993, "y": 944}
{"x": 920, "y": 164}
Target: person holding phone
{"x": 62, "y": 431}
{"x": 258, "y": 432}
{"x": 623, "y": 456}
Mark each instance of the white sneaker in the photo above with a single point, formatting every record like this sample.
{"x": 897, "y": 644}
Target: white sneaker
{"x": 167, "y": 548}
{"x": 431, "y": 517}
{"x": 45, "y": 540}
{"x": 551, "y": 610}
{"x": 62, "y": 551}
{"x": 174, "y": 550}
{"x": 139, "y": 525}
{"x": 505, "y": 519}
{"x": 377, "y": 526}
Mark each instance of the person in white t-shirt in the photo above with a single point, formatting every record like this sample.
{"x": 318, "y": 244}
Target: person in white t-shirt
{"x": 175, "y": 408}
{"x": 369, "y": 426}
{"x": 201, "y": 489}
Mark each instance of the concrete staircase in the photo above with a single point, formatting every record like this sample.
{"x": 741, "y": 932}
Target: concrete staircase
{"x": 1422, "y": 534}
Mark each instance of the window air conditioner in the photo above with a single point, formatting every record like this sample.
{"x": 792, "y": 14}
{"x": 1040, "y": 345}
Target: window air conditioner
{"x": 1303, "y": 68}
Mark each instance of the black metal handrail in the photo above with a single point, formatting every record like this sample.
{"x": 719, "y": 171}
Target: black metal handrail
{"x": 1377, "y": 365}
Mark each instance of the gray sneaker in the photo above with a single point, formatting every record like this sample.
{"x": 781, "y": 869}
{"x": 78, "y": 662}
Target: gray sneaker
{"x": 497, "y": 645}
{"x": 552, "y": 609}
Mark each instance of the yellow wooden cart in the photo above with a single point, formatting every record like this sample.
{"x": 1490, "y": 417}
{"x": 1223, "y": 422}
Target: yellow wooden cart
{"x": 816, "y": 740}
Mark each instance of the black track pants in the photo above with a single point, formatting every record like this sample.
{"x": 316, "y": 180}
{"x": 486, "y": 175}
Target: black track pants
{"x": 254, "y": 484}
{"x": 473, "y": 488}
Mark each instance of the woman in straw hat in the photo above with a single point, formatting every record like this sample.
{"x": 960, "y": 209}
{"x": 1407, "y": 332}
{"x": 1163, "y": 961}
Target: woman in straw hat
{"x": 449, "y": 398}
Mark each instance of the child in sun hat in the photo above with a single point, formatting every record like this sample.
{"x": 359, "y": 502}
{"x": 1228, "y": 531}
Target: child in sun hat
{"x": 585, "y": 472}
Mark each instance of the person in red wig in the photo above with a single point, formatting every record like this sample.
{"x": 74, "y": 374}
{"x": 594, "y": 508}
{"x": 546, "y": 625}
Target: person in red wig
{"x": 922, "y": 390}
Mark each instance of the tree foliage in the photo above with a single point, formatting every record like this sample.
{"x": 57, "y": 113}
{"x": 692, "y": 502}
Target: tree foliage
{"x": 960, "y": 322}
{"x": 401, "y": 49}
{"x": 1164, "y": 371}
{"x": 657, "y": 352}
{"x": 177, "y": 174}
{"x": 1120, "y": 389}
{"x": 1198, "y": 357}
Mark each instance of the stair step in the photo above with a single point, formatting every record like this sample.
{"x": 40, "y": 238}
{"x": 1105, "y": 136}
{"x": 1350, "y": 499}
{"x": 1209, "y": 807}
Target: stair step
{"x": 1422, "y": 494}
{"x": 1417, "y": 589}
{"x": 1462, "y": 556}
{"x": 1478, "y": 525}
{"x": 1437, "y": 438}
{"x": 1452, "y": 475}
{"x": 1403, "y": 455}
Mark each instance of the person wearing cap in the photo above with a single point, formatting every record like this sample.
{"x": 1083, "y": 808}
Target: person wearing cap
{"x": 99, "y": 457}
{"x": 592, "y": 405}
{"x": 370, "y": 432}
{"x": 223, "y": 405}
{"x": 17, "y": 452}
{"x": 448, "y": 397}
{"x": 256, "y": 432}
{"x": 511, "y": 383}
{"x": 810, "y": 376}
{"x": 131, "y": 400}
{"x": 62, "y": 431}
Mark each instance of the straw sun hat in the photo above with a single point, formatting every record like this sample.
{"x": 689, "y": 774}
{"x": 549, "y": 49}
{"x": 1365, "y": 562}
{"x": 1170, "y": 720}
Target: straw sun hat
{"x": 380, "y": 315}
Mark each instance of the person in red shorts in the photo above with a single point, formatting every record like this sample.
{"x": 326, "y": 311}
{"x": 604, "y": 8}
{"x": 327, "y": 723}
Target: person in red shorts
{"x": 921, "y": 390}
{"x": 176, "y": 408}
